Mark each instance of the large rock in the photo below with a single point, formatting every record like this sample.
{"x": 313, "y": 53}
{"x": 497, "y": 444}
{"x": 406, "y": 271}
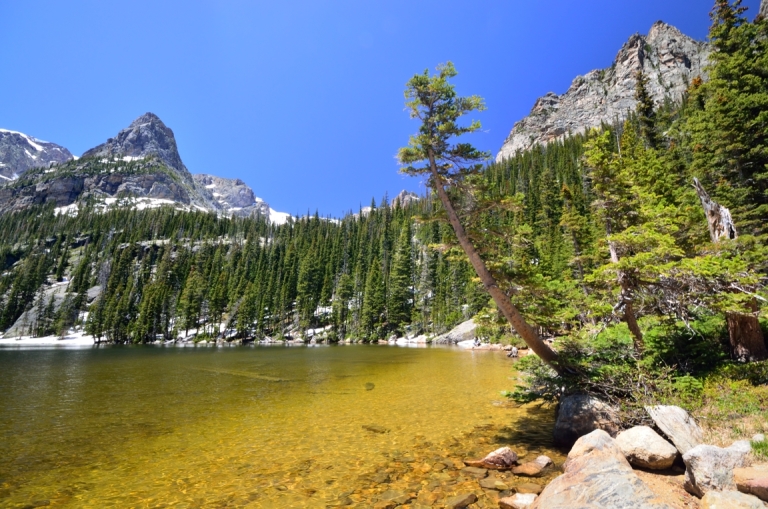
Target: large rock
{"x": 644, "y": 448}
{"x": 677, "y": 425}
{"x": 752, "y": 480}
{"x": 233, "y": 195}
{"x": 669, "y": 59}
{"x": 730, "y": 500}
{"x": 580, "y": 414}
{"x": 462, "y": 332}
{"x": 710, "y": 468}
{"x": 597, "y": 476}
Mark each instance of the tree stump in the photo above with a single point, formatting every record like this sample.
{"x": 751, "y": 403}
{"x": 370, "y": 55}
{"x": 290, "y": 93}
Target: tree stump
{"x": 747, "y": 341}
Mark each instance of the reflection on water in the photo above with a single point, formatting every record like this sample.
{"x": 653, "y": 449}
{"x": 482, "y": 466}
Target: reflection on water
{"x": 250, "y": 427}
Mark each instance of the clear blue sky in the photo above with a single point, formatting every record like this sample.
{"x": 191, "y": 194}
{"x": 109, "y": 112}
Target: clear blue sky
{"x": 303, "y": 100}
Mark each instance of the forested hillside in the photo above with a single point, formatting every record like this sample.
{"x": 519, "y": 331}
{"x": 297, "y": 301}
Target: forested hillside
{"x": 601, "y": 235}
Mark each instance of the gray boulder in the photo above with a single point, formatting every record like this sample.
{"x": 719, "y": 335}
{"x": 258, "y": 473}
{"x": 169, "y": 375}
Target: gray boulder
{"x": 462, "y": 332}
{"x": 580, "y": 414}
{"x": 597, "y": 476}
{"x": 644, "y": 448}
{"x": 730, "y": 500}
{"x": 710, "y": 468}
{"x": 677, "y": 425}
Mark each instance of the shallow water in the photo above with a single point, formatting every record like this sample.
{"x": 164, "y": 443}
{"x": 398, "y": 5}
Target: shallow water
{"x": 253, "y": 427}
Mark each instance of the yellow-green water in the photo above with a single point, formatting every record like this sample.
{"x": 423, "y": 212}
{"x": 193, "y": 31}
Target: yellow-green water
{"x": 253, "y": 427}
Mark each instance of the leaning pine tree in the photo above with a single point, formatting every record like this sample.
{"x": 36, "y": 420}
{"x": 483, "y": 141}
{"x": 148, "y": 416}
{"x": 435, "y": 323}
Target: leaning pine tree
{"x": 433, "y": 100}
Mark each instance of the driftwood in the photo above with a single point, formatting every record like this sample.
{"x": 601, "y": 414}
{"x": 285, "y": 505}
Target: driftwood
{"x": 718, "y": 217}
{"x": 746, "y": 336}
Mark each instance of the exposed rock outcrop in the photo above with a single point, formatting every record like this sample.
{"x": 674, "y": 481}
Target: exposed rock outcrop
{"x": 20, "y": 152}
{"x": 580, "y": 414}
{"x": 597, "y": 476}
{"x": 668, "y": 58}
{"x": 752, "y": 480}
{"x": 763, "y": 9}
{"x": 404, "y": 198}
{"x": 233, "y": 196}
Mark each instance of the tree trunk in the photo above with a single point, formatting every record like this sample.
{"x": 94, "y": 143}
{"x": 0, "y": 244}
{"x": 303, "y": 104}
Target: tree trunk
{"x": 745, "y": 334}
{"x": 627, "y": 300}
{"x": 510, "y": 312}
{"x": 718, "y": 217}
{"x": 747, "y": 341}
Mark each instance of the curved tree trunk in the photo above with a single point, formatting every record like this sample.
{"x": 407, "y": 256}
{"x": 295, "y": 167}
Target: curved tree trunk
{"x": 510, "y": 312}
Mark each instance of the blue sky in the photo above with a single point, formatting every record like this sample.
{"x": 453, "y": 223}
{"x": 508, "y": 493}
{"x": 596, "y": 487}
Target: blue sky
{"x": 303, "y": 100}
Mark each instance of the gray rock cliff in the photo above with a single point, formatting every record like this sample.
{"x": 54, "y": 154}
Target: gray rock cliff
{"x": 20, "y": 152}
{"x": 232, "y": 196}
{"x": 670, "y": 60}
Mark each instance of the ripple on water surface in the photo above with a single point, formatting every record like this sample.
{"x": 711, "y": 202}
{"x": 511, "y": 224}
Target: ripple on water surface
{"x": 254, "y": 427}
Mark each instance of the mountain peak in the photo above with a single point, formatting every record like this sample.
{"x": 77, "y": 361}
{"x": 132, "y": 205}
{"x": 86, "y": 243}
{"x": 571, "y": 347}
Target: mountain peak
{"x": 145, "y": 136}
{"x": 19, "y": 152}
{"x": 670, "y": 60}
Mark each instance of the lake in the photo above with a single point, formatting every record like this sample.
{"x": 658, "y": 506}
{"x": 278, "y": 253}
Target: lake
{"x": 253, "y": 426}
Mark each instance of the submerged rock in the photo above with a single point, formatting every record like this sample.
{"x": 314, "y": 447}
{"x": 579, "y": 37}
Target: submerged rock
{"x": 503, "y": 458}
{"x": 518, "y": 501}
{"x": 533, "y": 468}
{"x": 374, "y": 428}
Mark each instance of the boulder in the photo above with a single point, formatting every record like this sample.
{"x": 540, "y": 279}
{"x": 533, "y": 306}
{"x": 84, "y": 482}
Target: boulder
{"x": 752, "y": 480}
{"x": 463, "y": 331}
{"x": 518, "y": 501}
{"x": 533, "y": 468}
{"x": 644, "y": 448}
{"x": 503, "y": 458}
{"x": 730, "y": 500}
{"x": 597, "y": 475}
{"x": 580, "y": 414}
{"x": 677, "y": 425}
{"x": 710, "y": 468}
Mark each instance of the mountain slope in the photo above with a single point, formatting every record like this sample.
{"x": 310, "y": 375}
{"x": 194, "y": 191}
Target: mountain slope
{"x": 670, "y": 59}
{"x": 20, "y": 152}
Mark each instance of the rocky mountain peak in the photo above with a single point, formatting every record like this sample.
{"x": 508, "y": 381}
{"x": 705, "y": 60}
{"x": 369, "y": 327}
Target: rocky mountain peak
{"x": 19, "y": 152}
{"x": 763, "y": 9}
{"x": 404, "y": 198}
{"x": 146, "y": 136}
{"x": 670, "y": 60}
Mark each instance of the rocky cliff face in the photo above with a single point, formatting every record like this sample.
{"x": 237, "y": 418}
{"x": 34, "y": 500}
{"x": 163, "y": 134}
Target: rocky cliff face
{"x": 764, "y": 9}
{"x": 20, "y": 152}
{"x": 232, "y": 196}
{"x": 670, "y": 59}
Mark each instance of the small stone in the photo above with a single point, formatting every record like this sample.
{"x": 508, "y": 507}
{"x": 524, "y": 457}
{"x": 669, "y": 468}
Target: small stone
{"x": 533, "y": 468}
{"x": 758, "y": 438}
{"x": 385, "y": 504}
{"x": 476, "y": 472}
{"x": 380, "y": 478}
{"x": 374, "y": 428}
{"x": 518, "y": 501}
{"x": 529, "y": 487}
{"x": 501, "y": 459}
{"x": 425, "y": 467}
{"x": 730, "y": 500}
{"x": 461, "y": 501}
